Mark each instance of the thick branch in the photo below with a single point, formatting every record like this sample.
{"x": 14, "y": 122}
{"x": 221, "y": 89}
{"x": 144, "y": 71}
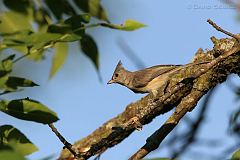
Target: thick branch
{"x": 153, "y": 142}
{"x": 190, "y": 136}
{"x": 188, "y": 83}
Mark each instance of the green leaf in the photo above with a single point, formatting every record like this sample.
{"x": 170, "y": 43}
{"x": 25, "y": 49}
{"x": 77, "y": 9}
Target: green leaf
{"x": 5, "y": 69}
{"x": 13, "y": 22}
{"x": 28, "y": 109}
{"x": 90, "y": 49}
{"x": 72, "y": 28}
{"x": 60, "y": 7}
{"x": 92, "y": 7}
{"x": 35, "y": 41}
{"x": 59, "y": 28}
{"x": 18, "y": 5}
{"x": 10, "y": 155}
{"x": 15, "y": 38}
{"x": 75, "y": 20}
{"x": 6, "y": 64}
{"x": 3, "y": 78}
{"x": 129, "y": 25}
{"x": 39, "y": 42}
{"x": 236, "y": 155}
{"x": 11, "y": 40}
{"x": 42, "y": 18}
{"x": 13, "y": 83}
{"x": 30, "y": 39}
{"x": 40, "y": 39}
{"x": 61, "y": 50}
{"x": 12, "y": 137}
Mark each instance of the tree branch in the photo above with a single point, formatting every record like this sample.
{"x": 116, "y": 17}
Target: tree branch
{"x": 153, "y": 142}
{"x": 184, "y": 90}
{"x": 62, "y": 139}
{"x": 237, "y": 37}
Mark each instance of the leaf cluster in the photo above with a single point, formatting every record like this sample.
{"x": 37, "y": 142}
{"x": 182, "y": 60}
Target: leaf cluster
{"x": 31, "y": 28}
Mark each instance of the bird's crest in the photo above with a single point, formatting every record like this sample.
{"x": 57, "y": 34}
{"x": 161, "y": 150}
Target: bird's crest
{"x": 117, "y": 74}
{"x": 118, "y": 67}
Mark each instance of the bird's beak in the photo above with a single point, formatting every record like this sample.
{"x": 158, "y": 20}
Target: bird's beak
{"x": 110, "y": 82}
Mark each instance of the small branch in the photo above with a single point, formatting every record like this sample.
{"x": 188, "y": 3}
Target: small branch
{"x": 129, "y": 53}
{"x": 237, "y": 37}
{"x": 63, "y": 140}
{"x": 21, "y": 57}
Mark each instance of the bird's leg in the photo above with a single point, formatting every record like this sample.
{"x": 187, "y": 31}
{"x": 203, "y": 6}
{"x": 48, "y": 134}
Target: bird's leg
{"x": 135, "y": 122}
{"x": 153, "y": 93}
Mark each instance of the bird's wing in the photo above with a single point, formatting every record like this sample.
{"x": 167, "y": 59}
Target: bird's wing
{"x": 143, "y": 77}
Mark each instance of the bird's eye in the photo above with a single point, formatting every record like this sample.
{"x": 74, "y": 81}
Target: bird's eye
{"x": 116, "y": 75}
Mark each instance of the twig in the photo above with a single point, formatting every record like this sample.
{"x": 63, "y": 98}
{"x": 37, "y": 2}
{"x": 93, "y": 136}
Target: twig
{"x": 21, "y": 57}
{"x": 63, "y": 140}
{"x": 128, "y": 52}
{"x": 237, "y": 37}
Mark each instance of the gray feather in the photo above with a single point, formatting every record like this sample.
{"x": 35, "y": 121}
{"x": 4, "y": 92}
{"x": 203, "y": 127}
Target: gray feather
{"x": 143, "y": 77}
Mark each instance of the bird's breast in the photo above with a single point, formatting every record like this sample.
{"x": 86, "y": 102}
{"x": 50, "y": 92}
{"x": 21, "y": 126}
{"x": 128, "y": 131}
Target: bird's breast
{"x": 153, "y": 85}
{"x": 156, "y": 83}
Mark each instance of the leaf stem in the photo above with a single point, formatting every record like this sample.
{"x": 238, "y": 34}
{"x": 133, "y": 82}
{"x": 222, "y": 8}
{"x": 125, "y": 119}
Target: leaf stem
{"x": 19, "y": 58}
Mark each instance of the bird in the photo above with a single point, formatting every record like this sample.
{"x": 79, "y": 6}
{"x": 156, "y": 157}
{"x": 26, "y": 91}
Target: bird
{"x": 148, "y": 80}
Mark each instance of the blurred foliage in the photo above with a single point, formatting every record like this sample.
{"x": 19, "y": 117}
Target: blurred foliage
{"x": 234, "y": 123}
{"x": 11, "y": 155}
{"x": 59, "y": 56}
{"x": 18, "y": 33}
{"x": 90, "y": 49}
{"x": 236, "y": 155}
{"x": 28, "y": 109}
{"x": 30, "y": 28}
{"x": 14, "y": 145}
{"x": 93, "y": 7}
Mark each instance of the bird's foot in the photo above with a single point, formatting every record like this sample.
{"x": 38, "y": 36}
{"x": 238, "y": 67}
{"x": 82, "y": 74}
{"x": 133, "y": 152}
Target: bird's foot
{"x": 136, "y": 123}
